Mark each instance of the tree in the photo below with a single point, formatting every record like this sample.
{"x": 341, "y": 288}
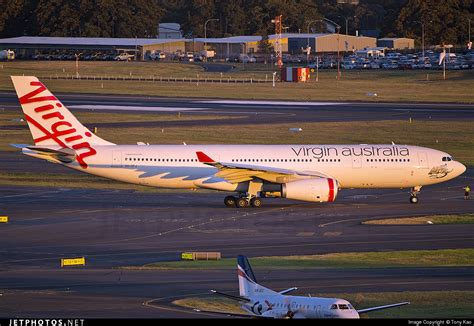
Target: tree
{"x": 265, "y": 47}
{"x": 58, "y": 18}
{"x": 18, "y": 17}
{"x": 10, "y": 9}
{"x": 444, "y": 21}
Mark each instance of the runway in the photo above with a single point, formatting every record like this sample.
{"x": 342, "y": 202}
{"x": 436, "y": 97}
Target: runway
{"x": 115, "y": 228}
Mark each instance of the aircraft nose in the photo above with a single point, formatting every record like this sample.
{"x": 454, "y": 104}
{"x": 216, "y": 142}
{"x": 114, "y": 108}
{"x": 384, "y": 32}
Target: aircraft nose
{"x": 460, "y": 168}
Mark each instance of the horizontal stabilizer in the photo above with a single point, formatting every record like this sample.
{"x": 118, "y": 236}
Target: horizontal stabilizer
{"x": 65, "y": 155}
{"x": 233, "y": 297}
{"x": 288, "y": 290}
{"x": 21, "y": 146}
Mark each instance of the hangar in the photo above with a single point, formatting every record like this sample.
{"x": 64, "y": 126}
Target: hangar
{"x": 292, "y": 43}
{"x": 27, "y": 46}
{"x": 396, "y": 43}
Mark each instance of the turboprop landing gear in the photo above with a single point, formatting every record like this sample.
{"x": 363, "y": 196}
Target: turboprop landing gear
{"x": 414, "y": 193}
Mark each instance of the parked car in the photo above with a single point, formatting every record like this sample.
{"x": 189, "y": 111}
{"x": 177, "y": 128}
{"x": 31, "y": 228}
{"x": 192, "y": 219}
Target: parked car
{"x": 124, "y": 57}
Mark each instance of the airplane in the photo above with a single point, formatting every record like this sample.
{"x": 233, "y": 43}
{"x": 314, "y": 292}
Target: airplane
{"x": 261, "y": 302}
{"x": 312, "y": 173}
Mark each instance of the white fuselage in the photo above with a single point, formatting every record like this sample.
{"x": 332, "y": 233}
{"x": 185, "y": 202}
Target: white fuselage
{"x": 353, "y": 166}
{"x": 285, "y": 306}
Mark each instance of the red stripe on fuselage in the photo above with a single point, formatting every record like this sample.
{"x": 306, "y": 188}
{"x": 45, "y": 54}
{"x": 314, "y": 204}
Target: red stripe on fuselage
{"x": 331, "y": 190}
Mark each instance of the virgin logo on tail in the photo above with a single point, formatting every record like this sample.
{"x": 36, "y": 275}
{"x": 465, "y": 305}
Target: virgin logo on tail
{"x": 60, "y": 131}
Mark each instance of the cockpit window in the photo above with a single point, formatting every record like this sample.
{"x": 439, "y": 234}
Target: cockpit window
{"x": 447, "y": 159}
{"x": 334, "y": 306}
{"x": 343, "y": 307}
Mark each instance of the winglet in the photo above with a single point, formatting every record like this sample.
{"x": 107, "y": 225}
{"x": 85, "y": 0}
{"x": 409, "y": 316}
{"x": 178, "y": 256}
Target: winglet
{"x": 203, "y": 158}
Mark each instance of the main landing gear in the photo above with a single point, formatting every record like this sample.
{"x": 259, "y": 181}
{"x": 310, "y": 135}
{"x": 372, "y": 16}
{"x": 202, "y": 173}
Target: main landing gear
{"x": 249, "y": 198}
{"x": 240, "y": 202}
{"x": 414, "y": 193}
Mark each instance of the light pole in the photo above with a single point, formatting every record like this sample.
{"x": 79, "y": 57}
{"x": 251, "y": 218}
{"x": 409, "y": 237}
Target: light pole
{"x": 205, "y": 31}
{"x": 347, "y": 23}
{"x": 338, "y": 65}
{"x": 469, "y": 28}
{"x": 422, "y": 40}
{"x": 338, "y": 29}
{"x": 77, "y": 63}
{"x": 307, "y": 43}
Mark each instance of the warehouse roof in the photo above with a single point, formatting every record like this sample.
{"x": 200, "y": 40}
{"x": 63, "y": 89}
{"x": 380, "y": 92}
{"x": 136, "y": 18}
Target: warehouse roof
{"x": 394, "y": 38}
{"x": 85, "y": 40}
{"x": 131, "y": 42}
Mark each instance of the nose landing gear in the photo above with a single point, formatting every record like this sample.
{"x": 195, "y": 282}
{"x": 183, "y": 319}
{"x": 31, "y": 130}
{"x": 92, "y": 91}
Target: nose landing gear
{"x": 414, "y": 193}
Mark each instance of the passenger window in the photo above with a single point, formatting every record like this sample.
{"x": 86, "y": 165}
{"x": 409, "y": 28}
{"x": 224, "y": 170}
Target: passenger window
{"x": 334, "y": 306}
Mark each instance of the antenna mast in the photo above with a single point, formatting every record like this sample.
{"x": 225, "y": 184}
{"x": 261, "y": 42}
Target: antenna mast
{"x": 278, "y": 49}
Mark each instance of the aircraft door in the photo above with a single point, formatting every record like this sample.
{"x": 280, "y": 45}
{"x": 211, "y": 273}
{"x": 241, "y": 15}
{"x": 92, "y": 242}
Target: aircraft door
{"x": 117, "y": 158}
{"x": 422, "y": 160}
{"x": 318, "y": 311}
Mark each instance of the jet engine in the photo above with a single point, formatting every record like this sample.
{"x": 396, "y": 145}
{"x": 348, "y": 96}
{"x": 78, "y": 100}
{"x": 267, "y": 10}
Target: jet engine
{"x": 314, "y": 190}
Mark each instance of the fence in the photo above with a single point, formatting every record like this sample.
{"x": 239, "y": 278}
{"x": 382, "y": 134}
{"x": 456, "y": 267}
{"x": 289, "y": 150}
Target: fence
{"x": 221, "y": 80}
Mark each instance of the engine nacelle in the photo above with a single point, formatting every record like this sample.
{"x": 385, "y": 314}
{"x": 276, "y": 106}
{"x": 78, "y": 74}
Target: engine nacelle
{"x": 314, "y": 190}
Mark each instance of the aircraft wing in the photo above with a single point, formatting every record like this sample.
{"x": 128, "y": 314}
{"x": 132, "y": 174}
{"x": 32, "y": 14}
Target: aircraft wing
{"x": 229, "y": 314}
{"x": 361, "y": 311}
{"x": 235, "y": 172}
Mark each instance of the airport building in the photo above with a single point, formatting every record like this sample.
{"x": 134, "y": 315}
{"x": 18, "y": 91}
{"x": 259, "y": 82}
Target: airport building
{"x": 396, "y": 43}
{"x": 292, "y": 43}
{"x": 27, "y": 46}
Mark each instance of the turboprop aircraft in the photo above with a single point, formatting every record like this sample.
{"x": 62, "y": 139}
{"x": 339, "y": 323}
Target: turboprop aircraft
{"x": 262, "y": 302}
{"x": 313, "y": 173}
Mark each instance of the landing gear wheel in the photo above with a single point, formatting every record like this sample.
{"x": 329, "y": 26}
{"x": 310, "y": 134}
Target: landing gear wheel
{"x": 413, "y": 199}
{"x": 229, "y": 201}
{"x": 255, "y": 202}
{"x": 241, "y": 202}
{"x": 413, "y": 193}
